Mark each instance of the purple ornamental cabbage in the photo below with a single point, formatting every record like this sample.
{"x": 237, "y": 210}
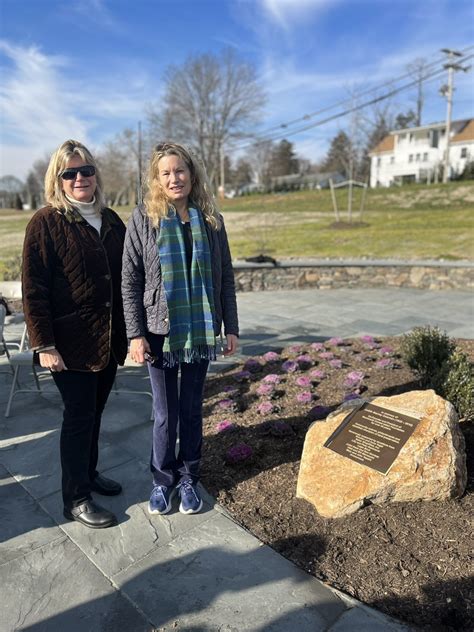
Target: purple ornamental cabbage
{"x": 289, "y": 366}
{"x": 272, "y": 378}
{"x": 265, "y": 408}
{"x": 336, "y": 363}
{"x": 271, "y": 356}
{"x": 384, "y": 363}
{"x": 304, "y": 361}
{"x": 238, "y": 452}
{"x": 353, "y": 379}
{"x": 368, "y": 339}
{"x": 335, "y": 342}
{"x": 385, "y": 350}
{"x": 225, "y": 426}
{"x": 317, "y": 346}
{"x": 304, "y": 397}
{"x": 295, "y": 348}
{"x": 317, "y": 374}
{"x": 226, "y": 404}
{"x": 241, "y": 376}
{"x": 326, "y": 355}
{"x": 265, "y": 389}
{"x": 252, "y": 365}
{"x": 303, "y": 381}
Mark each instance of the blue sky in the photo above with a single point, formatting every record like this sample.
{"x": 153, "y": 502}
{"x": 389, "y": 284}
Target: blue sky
{"x": 86, "y": 69}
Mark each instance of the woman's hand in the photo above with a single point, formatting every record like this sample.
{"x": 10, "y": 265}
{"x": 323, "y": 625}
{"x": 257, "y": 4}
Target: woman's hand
{"x": 231, "y": 344}
{"x": 52, "y": 360}
{"x": 138, "y": 348}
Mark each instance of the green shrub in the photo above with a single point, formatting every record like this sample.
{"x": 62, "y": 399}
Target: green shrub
{"x": 439, "y": 365}
{"x": 455, "y": 383}
{"x": 425, "y": 350}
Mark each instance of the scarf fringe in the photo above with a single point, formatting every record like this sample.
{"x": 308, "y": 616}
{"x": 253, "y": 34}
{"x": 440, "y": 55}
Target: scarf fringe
{"x": 201, "y": 352}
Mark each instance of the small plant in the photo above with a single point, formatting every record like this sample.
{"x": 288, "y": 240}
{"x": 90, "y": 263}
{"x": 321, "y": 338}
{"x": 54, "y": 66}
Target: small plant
{"x": 425, "y": 350}
{"x": 434, "y": 357}
{"x": 238, "y": 452}
{"x": 290, "y": 366}
{"x": 271, "y": 356}
{"x": 455, "y": 383}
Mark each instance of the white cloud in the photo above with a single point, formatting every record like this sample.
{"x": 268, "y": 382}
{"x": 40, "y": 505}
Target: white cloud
{"x": 35, "y": 109}
{"x": 282, "y": 11}
{"x": 44, "y": 101}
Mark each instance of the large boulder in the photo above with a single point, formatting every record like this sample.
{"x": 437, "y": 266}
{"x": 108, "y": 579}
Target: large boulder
{"x": 430, "y": 466}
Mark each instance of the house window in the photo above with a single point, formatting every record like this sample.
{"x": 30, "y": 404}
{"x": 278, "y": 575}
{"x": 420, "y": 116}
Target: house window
{"x": 463, "y": 152}
{"x": 410, "y": 158}
{"x": 425, "y": 156}
{"x": 418, "y": 156}
{"x": 379, "y": 162}
{"x": 392, "y": 160}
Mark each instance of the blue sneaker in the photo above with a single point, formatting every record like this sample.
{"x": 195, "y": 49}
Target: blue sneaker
{"x": 160, "y": 499}
{"x": 190, "y": 500}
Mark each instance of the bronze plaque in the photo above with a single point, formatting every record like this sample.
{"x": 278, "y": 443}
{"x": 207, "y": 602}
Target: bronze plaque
{"x": 372, "y": 436}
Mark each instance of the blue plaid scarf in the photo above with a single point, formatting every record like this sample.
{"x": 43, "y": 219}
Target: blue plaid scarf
{"x": 190, "y": 301}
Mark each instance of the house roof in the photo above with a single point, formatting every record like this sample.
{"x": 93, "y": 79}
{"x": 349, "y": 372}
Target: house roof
{"x": 463, "y": 131}
{"x": 465, "y": 134}
{"x": 386, "y": 144}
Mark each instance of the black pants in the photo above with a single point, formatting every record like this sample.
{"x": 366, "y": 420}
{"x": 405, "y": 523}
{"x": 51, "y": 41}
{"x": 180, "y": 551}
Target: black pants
{"x": 84, "y": 396}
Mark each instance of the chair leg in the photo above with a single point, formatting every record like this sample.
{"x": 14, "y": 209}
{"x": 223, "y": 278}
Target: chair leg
{"x": 36, "y": 379}
{"x": 12, "y": 390}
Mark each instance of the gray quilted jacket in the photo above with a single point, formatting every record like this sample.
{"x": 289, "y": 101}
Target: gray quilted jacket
{"x": 144, "y": 299}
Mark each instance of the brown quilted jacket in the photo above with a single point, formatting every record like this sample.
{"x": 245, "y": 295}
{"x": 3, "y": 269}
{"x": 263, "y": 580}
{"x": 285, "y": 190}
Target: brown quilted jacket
{"x": 71, "y": 287}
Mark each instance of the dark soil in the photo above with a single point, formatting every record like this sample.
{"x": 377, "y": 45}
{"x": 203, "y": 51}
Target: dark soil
{"x": 409, "y": 560}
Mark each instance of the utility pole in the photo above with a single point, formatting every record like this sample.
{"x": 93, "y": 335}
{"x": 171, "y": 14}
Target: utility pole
{"x": 447, "y": 91}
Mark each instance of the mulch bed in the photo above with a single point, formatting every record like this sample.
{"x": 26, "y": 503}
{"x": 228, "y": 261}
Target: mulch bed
{"x": 409, "y": 560}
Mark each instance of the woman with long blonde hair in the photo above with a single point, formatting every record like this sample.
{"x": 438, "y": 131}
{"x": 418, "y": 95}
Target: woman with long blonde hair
{"x": 71, "y": 275}
{"x": 178, "y": 289}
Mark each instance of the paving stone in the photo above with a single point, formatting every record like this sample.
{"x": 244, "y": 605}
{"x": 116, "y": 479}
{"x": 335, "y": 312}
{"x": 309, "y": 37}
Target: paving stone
{"x": 24, "y": 525}
{"x": 138, "y": 533}
{"x": 366, "y": 620}
{"x": 35, "y": 462}
{"x": 215, "y": 571}
{"x": 57, "y": 588}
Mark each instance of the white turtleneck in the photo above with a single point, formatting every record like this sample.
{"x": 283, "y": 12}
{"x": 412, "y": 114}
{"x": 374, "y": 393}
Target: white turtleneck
{"x": 88, "y": 212}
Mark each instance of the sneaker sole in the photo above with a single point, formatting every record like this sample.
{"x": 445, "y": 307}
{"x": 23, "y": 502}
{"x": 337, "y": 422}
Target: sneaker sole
{"x": 155, "y": 512}
{"x": 190, "y": 511}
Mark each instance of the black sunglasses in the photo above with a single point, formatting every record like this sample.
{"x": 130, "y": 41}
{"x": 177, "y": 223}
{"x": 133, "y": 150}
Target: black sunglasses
{"x": 70, "y": 174}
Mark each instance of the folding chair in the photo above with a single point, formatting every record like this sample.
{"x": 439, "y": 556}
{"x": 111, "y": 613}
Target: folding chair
{"x": 23, "y": 358}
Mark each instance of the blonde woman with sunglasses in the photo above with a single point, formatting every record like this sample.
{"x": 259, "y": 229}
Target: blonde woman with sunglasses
{"x": 73, "y": 310}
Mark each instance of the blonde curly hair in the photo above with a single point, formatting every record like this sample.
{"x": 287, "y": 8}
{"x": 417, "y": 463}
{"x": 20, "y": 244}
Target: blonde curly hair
{"x": 53, "y": 188}
{"x": 157, "y": 204}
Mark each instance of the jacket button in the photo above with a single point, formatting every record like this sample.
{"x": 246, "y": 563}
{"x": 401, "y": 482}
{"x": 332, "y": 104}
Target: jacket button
{"x": 108, "y": 304}
{"x": 165, "y": 320}
{"x": 107, "y": 276}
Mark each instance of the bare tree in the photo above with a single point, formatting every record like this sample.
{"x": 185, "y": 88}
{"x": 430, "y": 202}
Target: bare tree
{"x": 259, "y": 156}
{"x": 118, "y": 167}
{"x": 208, "y": 101}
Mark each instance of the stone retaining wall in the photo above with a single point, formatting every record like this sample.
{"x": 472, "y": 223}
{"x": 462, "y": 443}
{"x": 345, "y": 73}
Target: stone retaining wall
{"x": 327, "y": 275}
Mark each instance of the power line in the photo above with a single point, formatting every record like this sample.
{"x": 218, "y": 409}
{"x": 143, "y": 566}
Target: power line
{"x": 266, "y": 137}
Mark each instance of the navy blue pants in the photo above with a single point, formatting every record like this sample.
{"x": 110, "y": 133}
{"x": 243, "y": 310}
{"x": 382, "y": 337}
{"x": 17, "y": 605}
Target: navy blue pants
{"x": 84, "y": 394}
{"x": 170, "y": 406}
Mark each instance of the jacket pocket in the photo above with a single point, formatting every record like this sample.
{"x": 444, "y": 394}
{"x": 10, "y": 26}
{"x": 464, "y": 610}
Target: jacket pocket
{"x": 149, "y": 297}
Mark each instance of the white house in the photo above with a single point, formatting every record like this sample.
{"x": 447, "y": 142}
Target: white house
{"x": 417, "y": 153}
